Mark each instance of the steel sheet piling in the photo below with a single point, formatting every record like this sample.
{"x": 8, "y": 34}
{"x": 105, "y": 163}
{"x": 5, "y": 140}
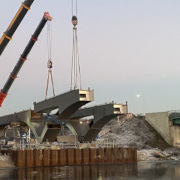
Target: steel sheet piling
{"x": 38, "y": 158}
{"x": 93, "y": 156}
{"x": 130, "y": 154}
{"x": 108, "y": 152}
{"x": 101, "y": 156}
{"x": 21, "y": 158}
{"x": 54, "y": 157}
{"x": 63, "y": 157}
{"x": 121, "y": 150}
{"x": 116, "y": 155}
{"x": 78, "y": 156}
{"x": 126, "y": 154}
{"x": 14, "y": 159}
{"x": 71, "y": 156}
{"x": 29, "y": 158}
{"x": 46, "y": 159}
{"x": 135, "y": 155}
{"x": 86, "y": 157}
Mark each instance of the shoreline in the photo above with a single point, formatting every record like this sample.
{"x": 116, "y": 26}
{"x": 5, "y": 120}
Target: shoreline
{"x": 5, "y": 161}
{"x": 143, "y": 155}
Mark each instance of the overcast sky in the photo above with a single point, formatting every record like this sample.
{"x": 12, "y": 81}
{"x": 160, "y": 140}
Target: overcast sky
{"x": 126, "y": 47}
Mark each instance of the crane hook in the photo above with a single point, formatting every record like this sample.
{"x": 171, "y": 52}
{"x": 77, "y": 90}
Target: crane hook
{"x": 74, "y": 20}
{"x": 49, "y": 64}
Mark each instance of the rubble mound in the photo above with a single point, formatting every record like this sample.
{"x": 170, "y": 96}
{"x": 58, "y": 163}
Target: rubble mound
{"x": 134, "y": 131}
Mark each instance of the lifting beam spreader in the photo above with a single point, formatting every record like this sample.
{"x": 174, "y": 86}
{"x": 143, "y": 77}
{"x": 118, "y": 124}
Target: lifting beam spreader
{"x": 7, "y": 35}
{"x": 23, "y": 57}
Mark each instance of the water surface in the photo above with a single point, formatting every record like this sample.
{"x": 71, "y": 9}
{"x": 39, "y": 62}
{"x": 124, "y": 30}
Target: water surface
{"x": 164, "y": 170}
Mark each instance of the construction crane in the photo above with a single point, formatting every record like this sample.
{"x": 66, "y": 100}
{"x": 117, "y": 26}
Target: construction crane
{"x": 7, "y": 35}
{"x": 23, "y": 57}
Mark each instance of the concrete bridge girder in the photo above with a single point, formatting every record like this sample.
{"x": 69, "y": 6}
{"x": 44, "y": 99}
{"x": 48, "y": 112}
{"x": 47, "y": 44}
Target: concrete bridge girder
{"x": 24, "y": 116}
{"x": 39, "y": 128}
{"x": 102, "y": 115}
{"x": 104, "y": 109}
{"x": 67, "y": 103}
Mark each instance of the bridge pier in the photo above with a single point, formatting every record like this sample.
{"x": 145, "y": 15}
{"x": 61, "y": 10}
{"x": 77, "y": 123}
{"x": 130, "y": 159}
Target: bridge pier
{"x": 66, "y": 103}
{"x": 102, "y": 115}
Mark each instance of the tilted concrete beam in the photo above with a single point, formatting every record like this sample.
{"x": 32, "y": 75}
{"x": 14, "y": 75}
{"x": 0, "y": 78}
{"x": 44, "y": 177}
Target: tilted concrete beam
{"x": 102, "y": 115}
{"x": 67, "y": 103}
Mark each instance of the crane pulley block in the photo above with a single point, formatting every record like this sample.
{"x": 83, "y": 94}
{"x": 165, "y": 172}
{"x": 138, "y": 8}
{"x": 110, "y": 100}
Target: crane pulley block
{"x": 49, "y": 64}
{"x": 74, "y": 20}
{"x": 47, "y": 16}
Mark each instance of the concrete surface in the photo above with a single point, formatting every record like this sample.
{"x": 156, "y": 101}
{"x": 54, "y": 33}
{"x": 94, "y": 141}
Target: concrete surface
{"x": 162, "y": 123}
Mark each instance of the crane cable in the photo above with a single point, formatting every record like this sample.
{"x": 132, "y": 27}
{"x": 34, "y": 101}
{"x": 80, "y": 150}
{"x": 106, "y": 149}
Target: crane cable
{"x": 49, "y": 40}
{"x": 75, "y": 66}
{"x": 49, "y": 63}
{"x": 74, "y": 8}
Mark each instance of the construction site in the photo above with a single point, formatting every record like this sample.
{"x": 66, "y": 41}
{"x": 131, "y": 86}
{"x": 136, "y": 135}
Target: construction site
{"x": 48, "y": 120}
{"x": 62, "y": 130}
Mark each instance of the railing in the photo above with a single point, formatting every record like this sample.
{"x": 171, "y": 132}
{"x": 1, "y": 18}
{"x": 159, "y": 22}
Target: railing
{"x": 22, "y": 145}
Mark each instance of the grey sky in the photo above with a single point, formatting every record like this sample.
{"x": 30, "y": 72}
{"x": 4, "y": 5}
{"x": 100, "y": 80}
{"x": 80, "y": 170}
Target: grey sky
{"x": 126, "y": 48}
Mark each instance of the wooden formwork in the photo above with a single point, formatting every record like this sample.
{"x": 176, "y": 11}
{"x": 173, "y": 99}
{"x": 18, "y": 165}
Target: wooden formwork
{"x": 62, "y": 157}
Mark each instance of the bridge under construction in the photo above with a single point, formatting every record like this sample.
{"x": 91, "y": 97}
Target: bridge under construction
{"x": 49, "y": 116}
{"x": 46, "y": 126}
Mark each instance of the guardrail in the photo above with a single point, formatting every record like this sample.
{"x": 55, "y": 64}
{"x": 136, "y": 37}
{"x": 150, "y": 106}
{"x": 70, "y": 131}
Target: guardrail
{"x": 100, "y": 143}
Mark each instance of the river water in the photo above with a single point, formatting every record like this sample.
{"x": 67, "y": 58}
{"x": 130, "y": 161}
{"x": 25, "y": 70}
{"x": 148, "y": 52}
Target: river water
{"x": 161, "y": 170}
